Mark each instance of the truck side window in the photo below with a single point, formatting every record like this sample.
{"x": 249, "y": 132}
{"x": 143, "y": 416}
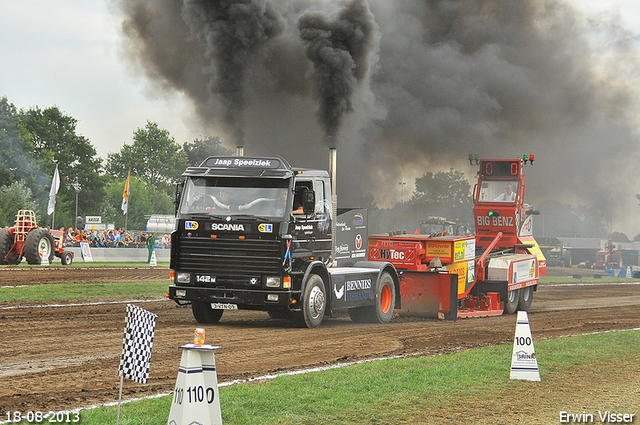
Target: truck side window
{"x": 297, "y": 198}
{"x": 321, "y": 207}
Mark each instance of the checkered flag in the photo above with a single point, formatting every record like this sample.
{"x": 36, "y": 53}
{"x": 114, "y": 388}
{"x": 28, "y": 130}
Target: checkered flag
{"x": 138, "y": 339}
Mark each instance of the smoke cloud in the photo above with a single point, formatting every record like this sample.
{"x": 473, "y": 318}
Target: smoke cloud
{"x": 231, "y": 34}
{"x": 341, "y": 51}
{"x": 403, "y": 87}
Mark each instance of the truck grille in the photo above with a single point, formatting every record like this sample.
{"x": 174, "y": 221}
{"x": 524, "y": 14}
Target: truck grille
{"x": 232, "y": 261}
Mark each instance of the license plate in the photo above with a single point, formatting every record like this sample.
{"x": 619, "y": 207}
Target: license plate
{"x": 223, "y": 306}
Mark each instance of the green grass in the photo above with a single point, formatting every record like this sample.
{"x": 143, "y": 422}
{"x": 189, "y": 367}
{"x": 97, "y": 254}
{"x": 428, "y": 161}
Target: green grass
{"x": 72, "y": 291}
{"x": 586, "y": 278}
{"x": 400, "y": 390}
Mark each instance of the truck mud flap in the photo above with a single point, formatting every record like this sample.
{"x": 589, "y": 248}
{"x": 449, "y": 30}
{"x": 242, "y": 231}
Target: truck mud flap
{"x": 429, "y": 294}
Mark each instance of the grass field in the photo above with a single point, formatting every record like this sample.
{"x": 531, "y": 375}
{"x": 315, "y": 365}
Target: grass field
{"x": 591, "y": 373}
{"x": 72, "y": 291}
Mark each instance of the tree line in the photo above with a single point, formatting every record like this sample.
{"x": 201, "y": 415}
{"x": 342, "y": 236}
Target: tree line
{"x": 33, "y": 141}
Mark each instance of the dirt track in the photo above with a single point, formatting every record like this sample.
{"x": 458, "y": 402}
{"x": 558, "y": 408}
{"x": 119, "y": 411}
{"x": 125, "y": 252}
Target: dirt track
{"x": 67, "y": 357}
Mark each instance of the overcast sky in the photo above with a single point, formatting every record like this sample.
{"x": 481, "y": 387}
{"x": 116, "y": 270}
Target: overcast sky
{"x": 67, "y": 53}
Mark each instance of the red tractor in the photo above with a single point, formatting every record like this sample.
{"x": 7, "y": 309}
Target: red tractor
{"x": 34, "y": 243}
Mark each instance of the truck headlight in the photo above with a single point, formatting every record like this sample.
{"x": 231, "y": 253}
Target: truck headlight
{"x": 181, "y": 293}
{"x": 273, "y": 282}
{"x": 272, "y": 297}
{"x": 182, "y": 277}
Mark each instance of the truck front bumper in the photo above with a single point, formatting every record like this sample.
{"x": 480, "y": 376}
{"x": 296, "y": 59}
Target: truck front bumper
{"x": 244, "y": 299}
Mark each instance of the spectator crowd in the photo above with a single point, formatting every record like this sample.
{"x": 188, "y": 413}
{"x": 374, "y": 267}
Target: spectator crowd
{"x": 113, "y": 238}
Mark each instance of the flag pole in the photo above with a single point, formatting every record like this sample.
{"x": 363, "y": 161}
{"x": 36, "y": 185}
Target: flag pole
{"x": 119, "y": 399}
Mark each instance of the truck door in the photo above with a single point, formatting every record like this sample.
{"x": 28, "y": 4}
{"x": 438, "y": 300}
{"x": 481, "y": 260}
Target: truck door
{"x": 312, "y": 231}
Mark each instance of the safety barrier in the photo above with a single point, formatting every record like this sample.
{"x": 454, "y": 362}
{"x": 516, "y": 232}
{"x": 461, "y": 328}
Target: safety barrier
{"x": 120, "y": 254}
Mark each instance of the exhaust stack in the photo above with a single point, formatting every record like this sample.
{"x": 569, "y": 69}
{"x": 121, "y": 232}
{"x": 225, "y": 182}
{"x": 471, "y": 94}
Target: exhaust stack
{"x": 333, "y": 158}
{"x": 239, "y": 150}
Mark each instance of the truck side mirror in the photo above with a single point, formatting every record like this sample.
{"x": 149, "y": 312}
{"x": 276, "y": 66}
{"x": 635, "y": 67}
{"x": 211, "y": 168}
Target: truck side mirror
{"x": 308, "y": 201}
{"x": 176, "y": 200}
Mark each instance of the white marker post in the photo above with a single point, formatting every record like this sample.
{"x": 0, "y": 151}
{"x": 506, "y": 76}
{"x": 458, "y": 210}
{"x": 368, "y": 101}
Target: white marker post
{"x": 153, "y": 262}
{"x": 196, "y": 396}
{"x": 523, "y": 361}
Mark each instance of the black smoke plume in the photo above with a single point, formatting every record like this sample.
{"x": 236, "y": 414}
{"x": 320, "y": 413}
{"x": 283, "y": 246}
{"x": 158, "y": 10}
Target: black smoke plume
{"x": 204, "y": 47}
{"x": 341, "y": 50}
{"x": 231, "y": 33}
{"x": 499, "y": 78}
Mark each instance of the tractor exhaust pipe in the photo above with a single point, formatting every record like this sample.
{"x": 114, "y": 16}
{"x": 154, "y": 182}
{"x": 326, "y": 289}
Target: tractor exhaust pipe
{"x": 239, "y": 150}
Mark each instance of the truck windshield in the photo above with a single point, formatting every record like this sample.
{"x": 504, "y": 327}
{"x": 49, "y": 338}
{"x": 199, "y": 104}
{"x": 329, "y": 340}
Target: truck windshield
{"x": 225, "y": 196}
{"x": 498, "y": 191}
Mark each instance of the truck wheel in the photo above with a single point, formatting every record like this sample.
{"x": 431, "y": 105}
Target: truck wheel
{"x": 314, "y": 303}
{"x": 382, "y": 312}
{"x": 203, "y": 313}
{"x": 525, "y": 298}
{"x": 66, "y": 258}
{"x": 39, "y": 244}
{"x": 511, "y": 303}
{"x": 385, "y": 301}
{"x": 6, "y": 243}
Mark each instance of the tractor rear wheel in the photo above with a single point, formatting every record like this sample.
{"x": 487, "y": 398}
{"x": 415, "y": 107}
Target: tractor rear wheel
{"x": 6, "y": 243}
{"x": 38, "y": 245}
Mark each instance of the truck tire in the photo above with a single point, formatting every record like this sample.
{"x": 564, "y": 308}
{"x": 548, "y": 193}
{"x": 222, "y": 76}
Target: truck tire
{"x": 382, "y": 312}
{"x": 511, "y": 303}
{"x": 39, "y": 244}
{"x": 6, "y": 243}
{"x": 385, "y": 301}
{"x": 525, "y": 298}
{"x": 314, "y": 303}
{"x": 66, "y": 258}
{"x": 203, "y": 313}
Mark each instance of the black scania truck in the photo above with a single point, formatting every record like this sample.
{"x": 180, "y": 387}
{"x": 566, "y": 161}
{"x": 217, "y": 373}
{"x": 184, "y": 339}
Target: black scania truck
{"x": 256, "y": 234}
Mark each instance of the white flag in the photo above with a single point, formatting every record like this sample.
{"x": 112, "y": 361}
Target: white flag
{"x": 55, "y": 185}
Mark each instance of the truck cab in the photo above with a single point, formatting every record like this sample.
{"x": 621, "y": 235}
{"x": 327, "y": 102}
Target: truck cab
{"x": 254, "y": 233}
